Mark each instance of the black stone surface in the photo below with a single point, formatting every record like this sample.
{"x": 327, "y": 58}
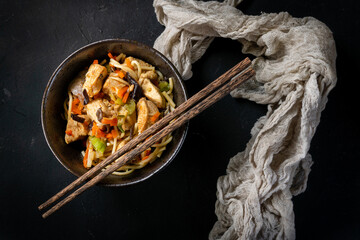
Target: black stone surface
{"x": 178, "y": 203}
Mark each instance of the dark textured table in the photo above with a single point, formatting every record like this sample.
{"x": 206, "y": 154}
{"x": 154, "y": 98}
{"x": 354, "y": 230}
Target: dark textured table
{"x": 177, "y": 203}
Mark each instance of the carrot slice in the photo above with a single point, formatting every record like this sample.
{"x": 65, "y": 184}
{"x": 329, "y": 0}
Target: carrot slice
{"x": 76, "y": 101}
{"x": 122, "y": 91}
{"x": 155, "y": 117}
{"x": 121, "y": 73}
{"x": 128, "y": 63}
{"x": 146, "y": 157}
{"x": 110, "y": 55}
{"x": 76, "y": 106}
{"x": 114, "y": 133}
{"x": 96, "y": 131}
{"x": 111, "y": 121}
{"x": 126, "y": 96}
{"x": 68, "y": 132}
{"x": 95, "y": 61}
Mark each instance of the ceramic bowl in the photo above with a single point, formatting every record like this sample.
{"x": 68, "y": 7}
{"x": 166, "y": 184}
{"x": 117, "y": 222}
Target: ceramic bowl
{"x": 53, "y": 125}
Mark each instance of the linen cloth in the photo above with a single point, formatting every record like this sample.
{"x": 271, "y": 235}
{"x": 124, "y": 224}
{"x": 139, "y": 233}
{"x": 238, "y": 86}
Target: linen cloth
{"x": 295, "y": 70}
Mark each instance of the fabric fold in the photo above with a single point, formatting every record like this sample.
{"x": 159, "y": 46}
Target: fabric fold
{"x": 295, "y": 71}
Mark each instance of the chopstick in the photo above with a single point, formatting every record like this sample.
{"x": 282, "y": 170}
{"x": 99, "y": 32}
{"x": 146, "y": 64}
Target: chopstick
{"x": 161, "y": 130}
{"x": 157, "y": 126}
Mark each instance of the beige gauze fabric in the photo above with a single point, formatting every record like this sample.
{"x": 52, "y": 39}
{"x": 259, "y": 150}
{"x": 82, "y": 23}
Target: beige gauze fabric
{"x": 295, "y": 70}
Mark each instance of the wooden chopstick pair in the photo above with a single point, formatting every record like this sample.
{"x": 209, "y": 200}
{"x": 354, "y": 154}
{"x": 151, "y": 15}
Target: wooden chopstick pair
{"x": 213, "y": 92}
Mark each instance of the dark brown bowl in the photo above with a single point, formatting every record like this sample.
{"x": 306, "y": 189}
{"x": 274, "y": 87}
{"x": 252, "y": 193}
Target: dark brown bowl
{"x": 69, "y": 155}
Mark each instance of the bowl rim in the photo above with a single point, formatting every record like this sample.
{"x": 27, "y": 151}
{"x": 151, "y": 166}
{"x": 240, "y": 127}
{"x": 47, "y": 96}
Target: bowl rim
{"x": 114, "y": 40}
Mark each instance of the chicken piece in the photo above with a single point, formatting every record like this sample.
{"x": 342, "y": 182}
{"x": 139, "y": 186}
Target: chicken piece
{"x": 152, "y": 108}
{"x": 151, "y": 75}
{"x": 94, "y": 79}
{"x": 152, "y": 92}
{"x": 76, "y": 130}
{"x": 112, "y": 86}
{"x": 146, "y": 109}
{"x": 129, "y": 121}
{"x": 76, "y": 85}
{"x": 106, "y": 108}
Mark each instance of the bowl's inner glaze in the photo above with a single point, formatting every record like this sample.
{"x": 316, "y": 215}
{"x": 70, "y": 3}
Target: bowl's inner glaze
{"x": 56, "y": 92}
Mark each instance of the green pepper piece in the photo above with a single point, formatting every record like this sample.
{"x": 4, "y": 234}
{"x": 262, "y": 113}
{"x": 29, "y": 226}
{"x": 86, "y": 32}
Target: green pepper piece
{"x": 130, "y": 106}
{"x": 98, "y": 144}
{"x": 108, "y": 68}
{"x": 118, "y": 101}
{"x": 120, "y": 128}
{"x": 164, "y": 86}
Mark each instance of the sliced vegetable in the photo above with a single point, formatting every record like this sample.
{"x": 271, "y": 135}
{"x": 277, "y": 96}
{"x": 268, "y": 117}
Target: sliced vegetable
{"x": 122, "y": 91}
{"x": 147, "y": 152}
{"x": 98, "y": 144}
{"x": 86, "y": 97}
{"x": 130, "y": 106}
{"x": 95, "y": 61}
{"x": 68, "y": 132}
{"x": 155, "y": 117}
{"x": 108, "y": 68}
{"x": 126, "y": 96}
{"x": 105, "y": 128}
{"x": 110, "y": 55}
{"x": 114, "y": 133}
{"x": 96, "y": 131}
{"x": 111, "y": 121}
{"x": 99, "y": 114}
{"x": 112, "y": 97}
{"x": 103, "y": 62}
{"x": 77, "y": 118}
{"x": 76, "y": 106}
{"x": 121, "y": 73}
{"x": 118, "y": 101}
{"x": 86, "y": 156}
{"x": 128, "y": 63}
{"x": 120, "y": 128}
{"x": 137, "y": 92}
{"x": 164, "y": 86}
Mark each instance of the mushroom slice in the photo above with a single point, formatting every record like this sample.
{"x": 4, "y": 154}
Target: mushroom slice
{"x": 76, "y": 85}
{"x": 107, "y": 109}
